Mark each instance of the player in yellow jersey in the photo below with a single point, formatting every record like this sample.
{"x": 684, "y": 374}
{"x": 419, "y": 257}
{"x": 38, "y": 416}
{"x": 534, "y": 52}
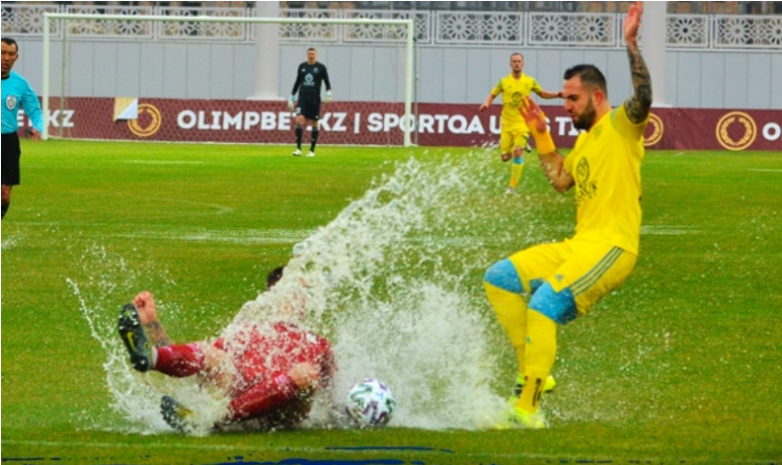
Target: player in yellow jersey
{"x": 514, "y": 132}
{"x": 564, "y": 280}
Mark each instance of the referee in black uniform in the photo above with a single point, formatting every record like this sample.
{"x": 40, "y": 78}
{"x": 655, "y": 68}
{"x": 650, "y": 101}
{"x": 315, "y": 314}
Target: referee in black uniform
{"x": 309, "y": 77}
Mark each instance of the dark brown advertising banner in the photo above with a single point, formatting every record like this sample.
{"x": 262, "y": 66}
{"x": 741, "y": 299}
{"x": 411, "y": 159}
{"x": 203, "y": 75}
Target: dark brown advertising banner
{"x": 668, "y": 128}
{"x": 378, "y": 123}
{"x": 698, "y": 129}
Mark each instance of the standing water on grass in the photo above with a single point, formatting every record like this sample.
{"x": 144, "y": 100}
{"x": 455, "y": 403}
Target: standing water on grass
{"x": 394, "y": 282}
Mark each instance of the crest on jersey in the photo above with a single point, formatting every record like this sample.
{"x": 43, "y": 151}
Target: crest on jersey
{"x": 10, "y": 102}
{"x": 586, "y": 187}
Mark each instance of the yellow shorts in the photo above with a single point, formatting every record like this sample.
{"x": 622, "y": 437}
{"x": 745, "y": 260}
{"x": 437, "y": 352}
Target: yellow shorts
{"x": 564, "y": 279}
{"x": 512, "y": 138}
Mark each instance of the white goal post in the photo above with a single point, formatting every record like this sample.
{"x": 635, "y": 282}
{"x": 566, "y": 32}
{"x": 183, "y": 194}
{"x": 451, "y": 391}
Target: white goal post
{"x": 407, "y": 120}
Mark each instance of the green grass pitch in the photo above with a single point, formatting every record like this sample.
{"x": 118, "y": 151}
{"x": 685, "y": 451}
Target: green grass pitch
{"x": 681, "y": 365}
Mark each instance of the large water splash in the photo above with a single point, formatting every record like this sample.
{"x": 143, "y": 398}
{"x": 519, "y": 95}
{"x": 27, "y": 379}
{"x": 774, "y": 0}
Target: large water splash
{"x": 395, "y": 283}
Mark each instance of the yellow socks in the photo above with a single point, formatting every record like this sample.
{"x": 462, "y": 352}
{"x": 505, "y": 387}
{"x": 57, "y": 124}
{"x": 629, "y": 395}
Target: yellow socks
{"x": 533, "y": 335}
{"x": 511, "y": 310}
{"x": 516, "y": 168}
{"x": 541, "y": 351}
{"x": 530, "y": 396}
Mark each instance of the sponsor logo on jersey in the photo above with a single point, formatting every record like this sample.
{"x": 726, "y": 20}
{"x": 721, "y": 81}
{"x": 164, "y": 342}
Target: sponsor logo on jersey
{"x": 585, "y": 188}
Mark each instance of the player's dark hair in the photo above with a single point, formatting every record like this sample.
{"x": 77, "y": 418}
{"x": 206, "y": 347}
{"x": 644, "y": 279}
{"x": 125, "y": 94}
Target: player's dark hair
{"x": 590, "y": 76}
{"x": 10, "y": 41}
{"x": 274, "y": 276}
{"x": 312, "y": 49}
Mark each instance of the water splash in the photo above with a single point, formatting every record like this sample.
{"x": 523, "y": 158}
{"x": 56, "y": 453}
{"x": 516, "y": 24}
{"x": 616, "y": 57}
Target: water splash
{"x": 394, "y": 282}
{"x": 9, "y": 243}
{"x": 112, "y": 280}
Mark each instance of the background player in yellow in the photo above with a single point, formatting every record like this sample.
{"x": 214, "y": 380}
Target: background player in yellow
{"x": 514, "y": 132}
{"x": 564, "y": 280}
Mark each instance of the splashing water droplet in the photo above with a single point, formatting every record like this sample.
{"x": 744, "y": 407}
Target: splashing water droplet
{"x": 394, "y": 281}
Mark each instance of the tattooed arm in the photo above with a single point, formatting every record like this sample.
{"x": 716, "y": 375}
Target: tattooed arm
{"x": 147, "y": 310}
{"x": 157, "y": 334}
{"x": 553, "y": 167}
{"x": 638, "y": 105}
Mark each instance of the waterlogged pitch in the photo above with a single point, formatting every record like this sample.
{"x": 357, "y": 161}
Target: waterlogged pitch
{"x": 680, "y": 364}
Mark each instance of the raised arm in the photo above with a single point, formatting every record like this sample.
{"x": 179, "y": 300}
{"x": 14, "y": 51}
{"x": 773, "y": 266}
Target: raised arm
{"x": 147, "y": 311}
{"x": 551, "y": 160}
{"x": 638, "y": 105}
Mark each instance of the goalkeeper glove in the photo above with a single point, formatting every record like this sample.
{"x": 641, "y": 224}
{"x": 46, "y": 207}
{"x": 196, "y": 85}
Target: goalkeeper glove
{"x": 328, "y": 96}
{"x": 290, "y": 103}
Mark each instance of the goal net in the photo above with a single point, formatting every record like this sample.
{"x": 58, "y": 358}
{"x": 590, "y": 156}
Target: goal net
{"x": 224, "y": 75}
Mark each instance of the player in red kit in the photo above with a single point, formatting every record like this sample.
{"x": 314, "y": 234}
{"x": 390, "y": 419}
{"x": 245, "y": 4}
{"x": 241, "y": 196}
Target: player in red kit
{"x": 269, "y": 372}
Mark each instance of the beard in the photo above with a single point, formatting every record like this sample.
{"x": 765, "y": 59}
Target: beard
{"x": 587, "y": 117}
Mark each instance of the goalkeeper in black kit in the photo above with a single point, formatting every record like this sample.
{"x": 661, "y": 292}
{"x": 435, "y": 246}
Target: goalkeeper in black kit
{"x": 310, "y": 76}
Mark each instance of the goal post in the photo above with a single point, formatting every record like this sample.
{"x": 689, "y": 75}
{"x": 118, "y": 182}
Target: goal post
{"x": 406, "y": 122}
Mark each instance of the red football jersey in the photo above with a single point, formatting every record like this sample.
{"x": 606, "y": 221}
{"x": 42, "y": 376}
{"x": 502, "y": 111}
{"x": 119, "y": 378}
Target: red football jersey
{"x": 268, "y": 351}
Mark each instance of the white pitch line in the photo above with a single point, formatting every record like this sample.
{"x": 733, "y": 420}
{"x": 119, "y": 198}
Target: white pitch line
{"x": 252, "y": 236}
{"x": 332, "y": 450}
{"x": 221, "y": 209}
{"x": 167, "y": 445}
{"x": 667, "y": 230}
{"x": 165, "y": 162}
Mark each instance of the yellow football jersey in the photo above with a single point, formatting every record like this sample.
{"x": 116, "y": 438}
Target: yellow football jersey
{"x": 513, "y": 90}
{"x": 606, "y": 166}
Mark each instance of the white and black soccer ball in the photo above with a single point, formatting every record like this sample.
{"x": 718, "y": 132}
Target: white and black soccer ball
{"x": 370, "y": 403}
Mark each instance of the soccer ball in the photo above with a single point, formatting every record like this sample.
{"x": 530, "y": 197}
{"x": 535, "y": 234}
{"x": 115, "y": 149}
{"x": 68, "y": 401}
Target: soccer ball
{"x": 370, "y": 403}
